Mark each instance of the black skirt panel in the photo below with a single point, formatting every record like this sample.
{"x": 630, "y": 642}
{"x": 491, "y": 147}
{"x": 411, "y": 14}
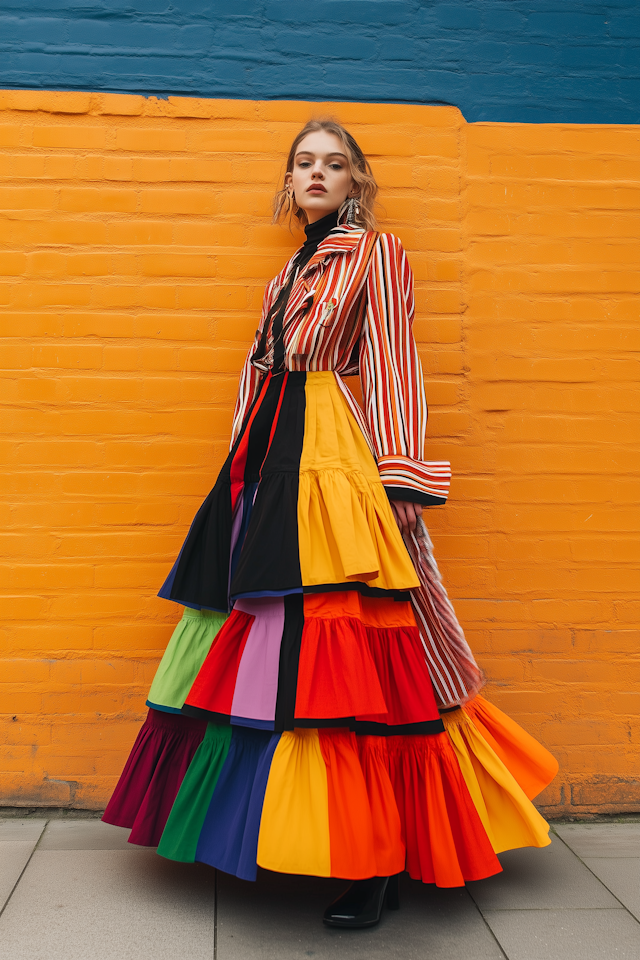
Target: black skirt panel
{"x": 270, "y": 559}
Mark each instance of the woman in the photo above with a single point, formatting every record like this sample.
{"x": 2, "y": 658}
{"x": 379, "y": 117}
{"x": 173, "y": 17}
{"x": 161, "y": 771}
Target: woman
{"x": 317, "y": 709}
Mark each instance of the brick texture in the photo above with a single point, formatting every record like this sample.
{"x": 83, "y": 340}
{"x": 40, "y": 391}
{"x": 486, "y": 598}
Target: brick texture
{"x": 499, "y": 60}
{"x": 135, "y": 241}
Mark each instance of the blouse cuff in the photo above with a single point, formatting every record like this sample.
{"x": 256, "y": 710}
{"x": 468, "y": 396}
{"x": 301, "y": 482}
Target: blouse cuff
{"x": 418, "y": 481}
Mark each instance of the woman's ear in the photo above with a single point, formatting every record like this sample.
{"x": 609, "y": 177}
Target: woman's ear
{"x": 288, "y": 185}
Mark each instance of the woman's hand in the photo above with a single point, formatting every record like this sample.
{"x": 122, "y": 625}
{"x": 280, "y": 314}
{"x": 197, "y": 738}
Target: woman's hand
{"x": 406, "y": 514}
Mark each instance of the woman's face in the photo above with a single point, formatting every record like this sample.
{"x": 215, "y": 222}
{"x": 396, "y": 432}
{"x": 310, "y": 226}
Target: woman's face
{"x": 321, "y": 178}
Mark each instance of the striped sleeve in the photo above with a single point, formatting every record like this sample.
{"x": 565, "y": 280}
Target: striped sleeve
{"x": 250, "y": 376}
{"x": 392, "y": 383}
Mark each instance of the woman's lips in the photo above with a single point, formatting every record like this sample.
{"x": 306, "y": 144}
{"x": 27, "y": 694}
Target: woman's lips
{"x": 316, "y": 188}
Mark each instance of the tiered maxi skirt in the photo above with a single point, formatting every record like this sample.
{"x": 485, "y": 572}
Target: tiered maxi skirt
{"x": 308, "y": 730}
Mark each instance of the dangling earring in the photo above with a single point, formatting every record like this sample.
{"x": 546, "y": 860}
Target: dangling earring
{"x": 289, "y": 198}
{"x": 353, "y": 211}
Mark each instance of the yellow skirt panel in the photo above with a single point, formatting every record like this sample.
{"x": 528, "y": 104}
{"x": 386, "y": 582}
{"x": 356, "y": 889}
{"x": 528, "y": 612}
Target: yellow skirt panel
{"x": 346, "y": 528}
{"x": 294, "y": 827}
{"x": 507, "y": 814}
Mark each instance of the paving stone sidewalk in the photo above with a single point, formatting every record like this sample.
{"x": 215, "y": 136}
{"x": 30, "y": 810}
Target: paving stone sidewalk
{"x": 75, "y": 890}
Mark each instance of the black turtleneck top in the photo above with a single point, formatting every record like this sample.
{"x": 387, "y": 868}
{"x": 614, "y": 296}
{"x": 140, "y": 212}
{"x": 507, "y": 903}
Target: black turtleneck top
{"x": 316, "y": 232}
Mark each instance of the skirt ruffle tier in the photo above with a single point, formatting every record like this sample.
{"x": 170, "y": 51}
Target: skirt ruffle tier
{"x": 293, "y": 722}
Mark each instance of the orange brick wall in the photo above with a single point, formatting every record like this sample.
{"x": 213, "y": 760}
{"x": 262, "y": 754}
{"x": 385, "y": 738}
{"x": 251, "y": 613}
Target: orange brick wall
{"x": 134, "y": 244}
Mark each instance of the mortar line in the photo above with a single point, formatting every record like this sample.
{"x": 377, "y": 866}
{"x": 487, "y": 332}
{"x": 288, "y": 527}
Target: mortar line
{"x": 487, "y": 925}
{"x": 549, "y": 909}
{"x": 586, "y": 865}
{"x": 22, "y": 872}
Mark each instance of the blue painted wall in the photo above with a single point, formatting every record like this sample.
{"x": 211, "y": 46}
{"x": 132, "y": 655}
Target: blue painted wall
{"x": 501, "y": 60}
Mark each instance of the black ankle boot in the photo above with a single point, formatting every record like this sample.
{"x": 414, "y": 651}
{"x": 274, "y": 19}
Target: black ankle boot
{"x": 361, "y": 903}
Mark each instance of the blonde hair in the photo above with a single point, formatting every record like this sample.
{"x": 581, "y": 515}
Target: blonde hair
{"x": 284, "y": 204}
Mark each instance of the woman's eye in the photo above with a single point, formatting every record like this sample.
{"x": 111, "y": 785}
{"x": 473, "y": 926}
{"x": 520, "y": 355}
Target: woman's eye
{"x": 336, "y": 166}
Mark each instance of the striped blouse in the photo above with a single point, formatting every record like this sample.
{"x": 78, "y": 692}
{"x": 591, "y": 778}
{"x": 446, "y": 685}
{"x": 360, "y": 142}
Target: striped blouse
{"x": 351, "y": 311}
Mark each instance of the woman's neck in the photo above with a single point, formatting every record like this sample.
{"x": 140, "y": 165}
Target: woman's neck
{"x": 318, "y": 230}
